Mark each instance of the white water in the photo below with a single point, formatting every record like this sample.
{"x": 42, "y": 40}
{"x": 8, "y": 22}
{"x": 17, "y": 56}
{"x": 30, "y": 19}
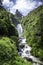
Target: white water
{"x": 24, "y": 49}
{"x": 19, "y": 29}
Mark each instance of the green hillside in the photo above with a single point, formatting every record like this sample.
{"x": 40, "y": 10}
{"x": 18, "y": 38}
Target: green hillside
{"x": 7, "y": 26}
{"x": 9, "y": 40}
{"x": 33, "y": 30}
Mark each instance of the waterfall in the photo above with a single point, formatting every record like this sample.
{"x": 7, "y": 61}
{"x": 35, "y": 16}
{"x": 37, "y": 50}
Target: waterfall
{"x": 19, "y": 29}
{"x": 24, "y": 48}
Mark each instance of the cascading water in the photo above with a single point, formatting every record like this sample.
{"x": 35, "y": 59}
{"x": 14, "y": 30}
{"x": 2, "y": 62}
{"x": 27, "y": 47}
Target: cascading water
{"x": 19, "y": 29}
{"x": 24, "y": 49}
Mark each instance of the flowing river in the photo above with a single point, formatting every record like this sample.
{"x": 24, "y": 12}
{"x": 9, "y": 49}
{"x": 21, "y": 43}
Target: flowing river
{"x": 24, "y": 48}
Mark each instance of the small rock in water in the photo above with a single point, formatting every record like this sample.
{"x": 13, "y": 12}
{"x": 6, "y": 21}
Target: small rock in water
{"x": 28, "y": 59}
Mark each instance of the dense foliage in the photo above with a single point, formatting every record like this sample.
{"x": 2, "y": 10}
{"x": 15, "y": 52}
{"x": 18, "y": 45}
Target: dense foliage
{"x": 33, "y": 30}
{"x": 9, "y": 40}
{"x": 6, "y": 25}
{"x": 9, "y": 54}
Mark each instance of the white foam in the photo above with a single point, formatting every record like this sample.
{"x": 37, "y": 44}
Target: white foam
{"x": 19, "y": 29}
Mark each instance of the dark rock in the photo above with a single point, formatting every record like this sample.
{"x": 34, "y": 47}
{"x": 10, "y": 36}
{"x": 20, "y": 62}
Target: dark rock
{"x": 28, "y": 59}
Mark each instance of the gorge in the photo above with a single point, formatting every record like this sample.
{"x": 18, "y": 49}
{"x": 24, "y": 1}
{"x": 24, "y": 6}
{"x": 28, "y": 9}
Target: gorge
{"x": 21, "y": 40}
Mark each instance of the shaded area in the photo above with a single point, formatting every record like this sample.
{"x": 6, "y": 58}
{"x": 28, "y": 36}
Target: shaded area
{"x": 7, "y": 27}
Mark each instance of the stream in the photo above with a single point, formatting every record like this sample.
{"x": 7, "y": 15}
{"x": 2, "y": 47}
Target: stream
{"x": 24, "y": 48}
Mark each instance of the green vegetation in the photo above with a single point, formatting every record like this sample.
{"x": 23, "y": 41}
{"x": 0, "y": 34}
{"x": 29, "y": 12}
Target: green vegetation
{"x": 6, "y": 24}
{"x": 9, "y": 54}
{"x": 9, "y": 40}
{"x": 33, "y": 30}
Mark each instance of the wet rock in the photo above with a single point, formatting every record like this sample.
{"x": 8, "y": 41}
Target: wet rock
{"x": 28, "y": 59}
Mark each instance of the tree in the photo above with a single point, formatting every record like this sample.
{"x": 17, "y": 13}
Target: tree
{"x": 18, "y": 13}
